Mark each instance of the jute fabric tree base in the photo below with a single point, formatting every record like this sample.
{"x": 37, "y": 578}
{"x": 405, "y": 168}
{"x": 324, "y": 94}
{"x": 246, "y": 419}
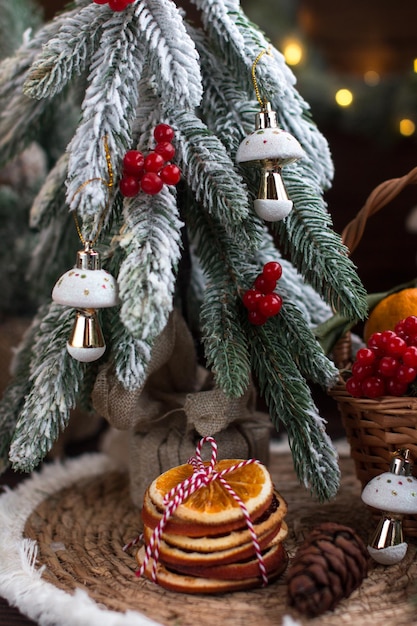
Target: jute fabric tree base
{"x": 80, "y": 530}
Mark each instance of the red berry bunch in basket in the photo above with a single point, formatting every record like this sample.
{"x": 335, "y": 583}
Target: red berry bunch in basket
{"x": 150, "y": 173}
{"x": 261, "y": 302}
{"x": 115, "y": 5}
{"x": 388, "y": 365}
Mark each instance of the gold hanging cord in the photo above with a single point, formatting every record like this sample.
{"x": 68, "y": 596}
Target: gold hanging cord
{"x": 254, "y": 80}
{"x": 109, "y": 183}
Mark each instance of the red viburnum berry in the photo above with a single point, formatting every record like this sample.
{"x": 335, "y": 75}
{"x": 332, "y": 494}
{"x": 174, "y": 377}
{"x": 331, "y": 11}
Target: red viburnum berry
{"x": 256, "y": 318}
{"x": 251, "y": 298}
{"x": 366, "y": 356}
{"x": 405, "y": 374}
{"x": 373, "y": 387}
{"x": 163, "y": 132}
{"x": 270, "y": 305}
{"x": 395, "y": 346}
{"x": 151, "y": 183}
{"x": 361, "y": 371}
{"x": 354, "y": 387}
{"x": 165, "y": 149}
{"x": 133, "y": 163}
{"x": 265, "y": 285}
{"x": 118, "y": 5}
{"x": 272, "y": 270}
{"x": 409, "y": 356}
{"x": 396, "y": 388}
{"x": 410, "y": 325}
{"x": 374, "y": 342}
{"x": 388, "y": 366}
{"x": 154, "y": 162}
{"x": 129, "y": 186}
{"x": 170, "y": 174}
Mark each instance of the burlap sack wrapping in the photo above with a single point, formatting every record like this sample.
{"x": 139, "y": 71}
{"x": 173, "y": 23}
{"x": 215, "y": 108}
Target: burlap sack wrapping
{"x": 176, "y": 406}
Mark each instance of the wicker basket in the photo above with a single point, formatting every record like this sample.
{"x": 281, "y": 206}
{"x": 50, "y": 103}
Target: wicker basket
{"x": 375, "y": 428}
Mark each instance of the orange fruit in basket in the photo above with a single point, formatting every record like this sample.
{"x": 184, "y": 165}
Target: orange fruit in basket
{"x": 212, "y": 503}
{"x": 390, "y": 310}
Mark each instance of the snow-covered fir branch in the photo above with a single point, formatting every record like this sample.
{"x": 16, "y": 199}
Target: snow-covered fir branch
{"x": 152, "y": 244}
{"x": 51, "y": 197}
{"x": 108, "y": 111}
{"x": 136, "y": 68}
{"x": 67, "y": 54}
{"x": 227, "y": 23}
{"x": 292, "y": 284}
{"x": 316, "y": 249}
{"x": 224, "y": 263}
{"x": 171, "y": 53}
{"x": 225, "y": 107}
{"x": 304, "y": 185}
{"x": 52, "y": 255}
{"x": 315, "y": 459}
{"x": 129, "y": 356}
{"x": 55, "y": 380}
{"x": 21, "y": 116}
{"x": 225, "y": 343}
{"x": 210, "y": 174}
{"x": 14, "y": 395}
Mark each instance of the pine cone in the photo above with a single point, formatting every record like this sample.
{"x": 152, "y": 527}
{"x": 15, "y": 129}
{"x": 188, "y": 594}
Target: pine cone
{"x": 327, "y": 567}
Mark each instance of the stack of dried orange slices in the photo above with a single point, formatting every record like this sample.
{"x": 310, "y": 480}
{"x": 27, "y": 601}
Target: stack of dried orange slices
{"x": 207, "y": 546}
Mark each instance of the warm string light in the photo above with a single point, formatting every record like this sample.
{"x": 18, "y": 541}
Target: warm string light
{"x": 294, "y": 54}
{"x": 109, "y": 183}
{"x": 293, "y": 51}
{"x": 371, "y": 78}
{"x": 406, "y": 127}
{"x": 344, "y": 97}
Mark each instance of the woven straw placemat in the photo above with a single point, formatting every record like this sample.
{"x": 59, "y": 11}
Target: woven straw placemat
{"x": 80, "y": 531}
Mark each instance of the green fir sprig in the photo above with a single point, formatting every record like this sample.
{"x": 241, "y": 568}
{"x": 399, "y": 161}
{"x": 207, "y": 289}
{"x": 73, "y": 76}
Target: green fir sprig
{"x": 290, "y": 404}
{"x": 55, "y": 380}
{"x": 152, "y": 244}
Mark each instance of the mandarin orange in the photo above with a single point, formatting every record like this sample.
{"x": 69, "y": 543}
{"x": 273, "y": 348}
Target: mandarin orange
{"x": 390, "y": 310}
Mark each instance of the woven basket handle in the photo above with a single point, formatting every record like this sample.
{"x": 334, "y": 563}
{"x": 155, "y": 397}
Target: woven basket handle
{"x": 352, "y": 235}
{"x": 380, "y": 196}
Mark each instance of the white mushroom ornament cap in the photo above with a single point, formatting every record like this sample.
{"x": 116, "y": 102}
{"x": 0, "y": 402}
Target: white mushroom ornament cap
{"x": 86, "y": 286}
{"x": 395, "y": 493}
{"x": 273, "y": 148}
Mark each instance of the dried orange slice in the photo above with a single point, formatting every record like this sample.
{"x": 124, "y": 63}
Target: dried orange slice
{"x": 212, "y": 503}
{"x": 269, "y": 521}
{"x": 233, "y": 580}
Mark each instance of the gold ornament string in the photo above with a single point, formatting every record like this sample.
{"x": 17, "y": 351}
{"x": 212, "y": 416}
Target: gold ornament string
{"x": 254, "y": 79}
{"x": 109, "y": 184}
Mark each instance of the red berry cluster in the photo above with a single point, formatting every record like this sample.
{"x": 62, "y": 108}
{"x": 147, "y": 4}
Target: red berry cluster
{"x": 388, "y": 365}
{"x": 115, "y": 5}
{"x": 151, "y": 172}
{"x": 261, "y": 302}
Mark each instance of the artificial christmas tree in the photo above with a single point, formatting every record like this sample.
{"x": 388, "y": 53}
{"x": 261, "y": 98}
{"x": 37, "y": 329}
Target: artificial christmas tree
{"x": 197, "y": 247}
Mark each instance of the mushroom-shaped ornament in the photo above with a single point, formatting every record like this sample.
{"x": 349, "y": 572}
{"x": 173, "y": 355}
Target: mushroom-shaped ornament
{"x": 273, "y": 147}
{"x": 395, "y": 493}
{"x": 86, "y": 287}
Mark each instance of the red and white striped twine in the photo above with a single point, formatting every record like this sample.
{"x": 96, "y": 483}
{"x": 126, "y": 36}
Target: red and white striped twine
{"x": 203, "y": 475}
